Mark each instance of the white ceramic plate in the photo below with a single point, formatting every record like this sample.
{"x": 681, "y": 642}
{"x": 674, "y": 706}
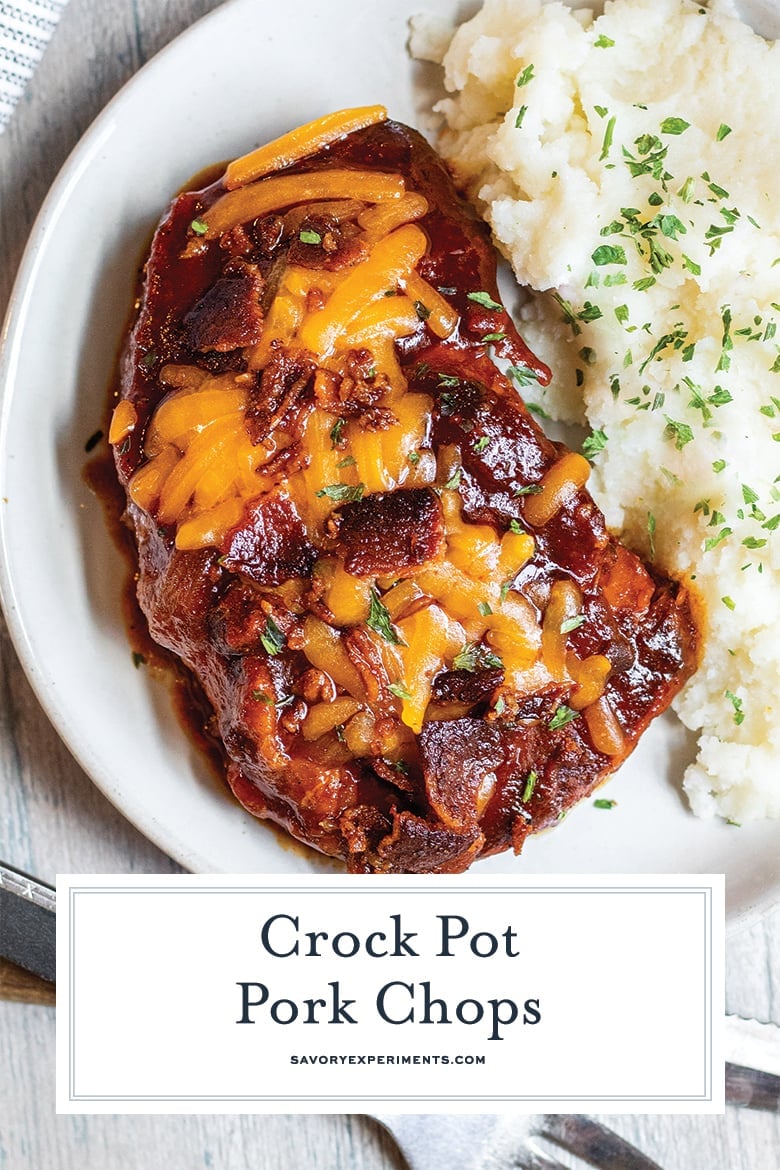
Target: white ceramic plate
{"x": 242, "y": 75}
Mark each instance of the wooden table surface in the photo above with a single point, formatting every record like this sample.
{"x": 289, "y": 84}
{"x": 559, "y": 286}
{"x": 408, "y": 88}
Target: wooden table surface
{"x": 53, "y": 819}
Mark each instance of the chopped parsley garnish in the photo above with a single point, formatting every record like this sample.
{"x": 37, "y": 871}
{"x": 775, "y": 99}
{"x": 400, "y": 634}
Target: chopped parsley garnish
{"x": 561, "y": 717}
{"x": 523, "y": 375}
{"x": 414, "y": 458}
{"x": 448, "y": 380}
{"x": 475, "y": 656}
{"x": 729, "y": 603}
{"x": 343, "y": 493}
{"x": 481, "y": 444}
{"x": 530, "y": 784}
{"x": 714, "y": 541}
{"x": 486, "y": 611}
{"x": 608, "y": 254}
{"x": 521, "y": 113}
{"x": 486, "y": 301}
{"x": 148, "y": 360}
{"x": 272, "y": 638}
{"x": 674, "y": 126}
{"x": 607, "y": 143}
{"x": 536, "y": 409}
{"x": 531, "y": 489}
{"x": 494, "y": 337}
{"x": 594, "y": 443}
{"x": 422, "y": 311}
{"x": 651, "y": 533}
{"x": 516, "y": 527}
{"x": 379, "y": 620}
{"x": 573, "y": 623}
{"x": 723, "y": 131}
{"x": 602, "y": 42}
{"x": 739, "y": 714}
{"x": 453, "y": 483}
{"x": 308, "y": 236}
{"x": 525, "y": 76}
{"x": 399, "y": 690}
{"x": 337, "y": 432}
{"x": 199, "y": 227}
{"x": 719, "y": 465}
{"x": 602, "y": 803}
{"x": 679, "y": 431}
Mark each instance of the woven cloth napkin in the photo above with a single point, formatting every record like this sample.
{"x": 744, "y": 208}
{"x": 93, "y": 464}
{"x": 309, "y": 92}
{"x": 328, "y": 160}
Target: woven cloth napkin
{"x": 25, "y": 29}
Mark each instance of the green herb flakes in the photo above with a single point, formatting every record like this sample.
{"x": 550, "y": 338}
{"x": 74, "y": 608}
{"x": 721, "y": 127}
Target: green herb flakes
{"x": 474, "y": 657}
{"x": 679, "y": 431}
{"x": 379, "y": 621}
{"x": 521, "y": 113}
{"x": 714, "y": 541}
{"x": 523, "y": 375}
{"x": 608, "y": 254}
{"x": 309, "y": 236}
{"x": 399, "y": 690}
{"x": 603, "y": 42}
{"x": 573, "y": 623}
{"x": 674, "y": 126}
{"x": 525, "y": 76}
{"x": 603, "y": 803}
{"x": 272, "y": 638}
{"x": 561, "y": 717}
{"x": 486, "y": 301}
{"x": 594, "y": 443}
{"x": 530, "y": 785}
{"x": 199, "y": 227}
{"x": 343, "y": 493}
{"x": 723, "y": 131}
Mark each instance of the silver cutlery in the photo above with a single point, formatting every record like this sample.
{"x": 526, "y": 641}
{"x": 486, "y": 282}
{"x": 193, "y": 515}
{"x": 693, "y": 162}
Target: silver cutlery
{"x": 466, "y": 1142}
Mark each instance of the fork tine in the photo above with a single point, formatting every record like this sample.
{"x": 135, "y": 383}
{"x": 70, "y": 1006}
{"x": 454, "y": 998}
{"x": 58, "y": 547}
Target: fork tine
{"x": 532, "y": 1158}
{"x": 594, "y": 1143}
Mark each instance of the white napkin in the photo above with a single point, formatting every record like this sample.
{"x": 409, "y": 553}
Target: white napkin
{"x": 25, "y": 29}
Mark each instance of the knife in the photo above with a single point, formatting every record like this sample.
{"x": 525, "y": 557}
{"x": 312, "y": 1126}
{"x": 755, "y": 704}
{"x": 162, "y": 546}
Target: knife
{"x": 27, "y": 922}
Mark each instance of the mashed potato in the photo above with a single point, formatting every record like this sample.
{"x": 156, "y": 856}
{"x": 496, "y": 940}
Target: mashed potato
{"x": 628, "y": 165}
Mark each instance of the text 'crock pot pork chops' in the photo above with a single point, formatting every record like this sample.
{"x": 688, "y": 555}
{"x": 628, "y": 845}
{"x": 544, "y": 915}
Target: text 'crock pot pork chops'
{"x": 418, "y": 638}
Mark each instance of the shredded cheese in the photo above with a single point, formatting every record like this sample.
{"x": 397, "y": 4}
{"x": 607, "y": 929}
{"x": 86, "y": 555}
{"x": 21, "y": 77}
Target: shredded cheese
{"x": 300, "y": 143}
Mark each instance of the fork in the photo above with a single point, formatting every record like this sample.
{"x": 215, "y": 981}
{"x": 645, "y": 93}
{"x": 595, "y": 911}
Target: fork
{"x": 489, "y": 1142}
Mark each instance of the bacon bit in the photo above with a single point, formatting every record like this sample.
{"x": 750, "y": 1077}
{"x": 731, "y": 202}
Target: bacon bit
{"x": 228, "y": 316}
{"x": 317, "y": 686}
{"x": 281, "y": 389}
{"x": 391, "y": 532}
{"x": 368, "y": 662}
{"x": 355, "y": 390}
{"x": 271, "y": 544}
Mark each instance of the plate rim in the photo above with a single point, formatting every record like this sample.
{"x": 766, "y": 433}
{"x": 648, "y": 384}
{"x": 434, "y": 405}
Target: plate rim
{"x": 16, "y": 316}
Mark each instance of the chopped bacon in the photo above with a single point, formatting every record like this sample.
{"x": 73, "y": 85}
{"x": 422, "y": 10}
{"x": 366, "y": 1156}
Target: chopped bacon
{"x": 388, "y": 533}
{"x": 270, "y": 545}
{"x": 228, "y": 316}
